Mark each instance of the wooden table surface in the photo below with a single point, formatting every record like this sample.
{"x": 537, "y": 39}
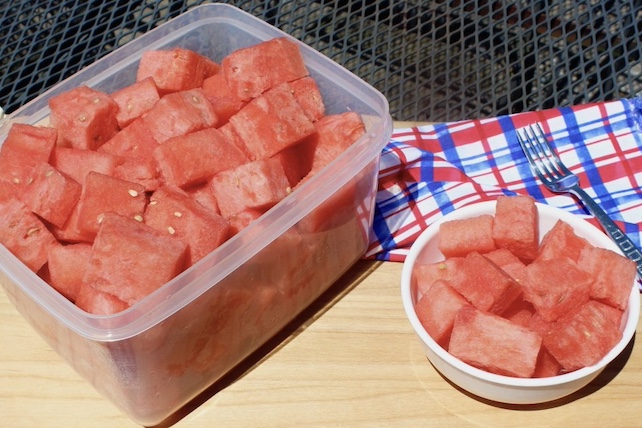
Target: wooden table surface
{"x": 351, "y": 359}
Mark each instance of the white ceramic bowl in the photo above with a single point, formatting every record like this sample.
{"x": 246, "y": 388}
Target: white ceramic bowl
{"x": 491, "y": 386}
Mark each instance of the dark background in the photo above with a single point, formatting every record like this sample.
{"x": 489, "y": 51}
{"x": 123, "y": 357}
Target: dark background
{"x": 436, "y": 61}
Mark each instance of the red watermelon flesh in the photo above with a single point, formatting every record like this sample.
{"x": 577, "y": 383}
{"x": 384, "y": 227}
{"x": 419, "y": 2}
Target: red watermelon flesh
{"x": 67, "y": 265}
{"x": 30, "y": 141}
{"x": 612, "y": 275}
{"x": 254, "y": 185}
{"x": 203, "y": 194}
{"x": 175, "y": 69}
{"x": 24, "y": 234}
{"x": 130, "y": 260}
{"x": 436, "y": 310}
{"x": 134, "y": 141}
{"x": 458, "y": 238}
{"x": 134, "y": 100}
{"x": 547, "y": 365}
{"x": 102, "y": 194}
{"x": 98, "y": 303}
{"x": 179, "y": 113}
{"x": 494, "y": 344}
{"x": 425, "y": 274}
{"x": 77, "y": 163}
{"x": 561, "y": 241}
{"x": 84, "y": 117}
{"x": 140, "y": 170}
{"x": 175, "y": 213}
{"x": 309, "y": 97}
{"x": 556, "y": 286}
{"x": 224, "y": 102}
{"x": 584, "y": 337}
{"x": 334, "y": 134}
{"x": 242, "y": 219}
{"x": 516, "y": 226}
{"x": 194, "y": 158}
{"x": 272, "y": 122}
{"x": 51, "y": 194}
{"x": 256, "y": 69}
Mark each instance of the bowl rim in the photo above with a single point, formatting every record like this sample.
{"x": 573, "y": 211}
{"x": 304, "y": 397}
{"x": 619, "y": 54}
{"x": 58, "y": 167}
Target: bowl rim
{"x": 579, "y": 224}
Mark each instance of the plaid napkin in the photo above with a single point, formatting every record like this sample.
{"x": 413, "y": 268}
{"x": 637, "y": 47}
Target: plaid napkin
{"x": 428, "y": 171}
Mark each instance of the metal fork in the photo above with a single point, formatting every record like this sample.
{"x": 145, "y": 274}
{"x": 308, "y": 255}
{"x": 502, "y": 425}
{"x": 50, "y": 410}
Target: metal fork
{"x": 548, "y": 167}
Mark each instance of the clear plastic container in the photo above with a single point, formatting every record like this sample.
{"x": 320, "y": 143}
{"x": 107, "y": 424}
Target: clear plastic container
{"x": 153, "y": 358}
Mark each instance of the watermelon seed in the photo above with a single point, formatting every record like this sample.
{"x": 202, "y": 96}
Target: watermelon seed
{"x": 30, "y": 180}
{"x": 138, "y": 218}
{"x": 153, "y": 202}
{"x": 195, "y": 99}
{"x": 133, "y": 193}
{"x": 47, "y": 174}
{"x": 16, "y": 180}
{"x": 171, "y": 230}
{"x": 100, "y": 218}
{"x": 32, "y": 231}
{"x": 178, "y": 214}
{"x": 82, "y": 118}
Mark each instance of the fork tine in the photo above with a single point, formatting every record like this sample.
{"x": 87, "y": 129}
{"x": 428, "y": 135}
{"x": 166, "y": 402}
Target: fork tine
{"x": 554, "y": 161}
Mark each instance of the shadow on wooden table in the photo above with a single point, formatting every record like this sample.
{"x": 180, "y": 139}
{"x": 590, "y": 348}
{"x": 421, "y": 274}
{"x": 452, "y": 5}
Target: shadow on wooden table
{"x": 300, "y": 323}
{"x": 603, "y": 379}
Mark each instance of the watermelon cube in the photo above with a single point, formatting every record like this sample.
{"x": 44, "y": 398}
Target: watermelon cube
{"x": 194, "y": 158}
{"x": 254, "y": 70}
{"x": 134, "y": 100}
{"x": 309, "y": 97}
{"x": 140, "y": 170}
{"x": 24, "y": 234}
{"x": 179, "y": 113}
{"x": 25, "y": 147}
{"x": 562, "y": 241}
{"x": 494, "y": 344}
{"x": 516, "y": 226}
{"x": 224, "y": 102}
{"x": 67, "y": 265}
{"x": 457, "y": 238}
{"x": 51, "y": 194}
{"x": 547, "y": 365}
{"x": 272, "y": 122}
{"x": 98, "y": 303}
{"x": 7, "y": 190}
{"x": 85, "y": 118}
{"x": 203, "y": 195}
{"x": 425, "y": 274}
{"x": 296, "y": 161}
{"x": 520, "y": 312}
{"x": 255, "y": 185}
{"x": 130, "y": 260}
{"x": 612, "y": 275}
{"x": 556, "y": 286}
{"x": 77, "y": 163}
{"x": 486, "y": 286}
{"x": 175, "y": 69}
{"x": 228, "y": 130}
{"x": 175, "y": 213}
{"x": 242, "y": 219}
{"x": 334, "y": 134}
{"x": 102, "y": 194}
{"x": 133, "y": 141}
{"x": 584, "y": 337}
{"x": 436, "y": 310}
{"x": 71, "y": 232}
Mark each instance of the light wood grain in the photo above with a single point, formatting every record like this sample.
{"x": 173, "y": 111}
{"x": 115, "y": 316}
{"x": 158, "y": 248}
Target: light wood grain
{"x": 350, "y": 360}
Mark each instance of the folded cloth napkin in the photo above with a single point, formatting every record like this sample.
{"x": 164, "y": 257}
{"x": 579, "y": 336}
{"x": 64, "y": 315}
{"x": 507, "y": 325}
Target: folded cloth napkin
{"x": 428, "y": 171}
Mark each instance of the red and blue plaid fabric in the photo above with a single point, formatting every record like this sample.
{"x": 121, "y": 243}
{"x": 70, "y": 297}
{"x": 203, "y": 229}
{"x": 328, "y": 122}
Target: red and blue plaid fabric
{"x": 431, "y": 170}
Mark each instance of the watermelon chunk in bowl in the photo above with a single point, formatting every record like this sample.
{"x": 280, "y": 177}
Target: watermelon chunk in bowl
{"x": 563, "y": 334}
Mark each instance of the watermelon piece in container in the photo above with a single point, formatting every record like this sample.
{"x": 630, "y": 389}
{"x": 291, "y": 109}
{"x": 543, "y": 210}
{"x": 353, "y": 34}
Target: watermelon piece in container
{"x": 258, "y": 68}
{"x": 425, "y": 274}
{"x": 494, "y": 344}
{"x": 77, "y": 163}
{"x": 102, "y": 194}
{"x": 24, "y": 234}
{"x": 175, "y": 213}
{"x": 224, "y": 102}
{"x": 175, "y": 69}
{"x": 516, "y": 226}
{"x": 85, "y": 118}
{"x": 272, "y": 122}
{"x": 194, "y": 158}
{"x": 179, "y": 113}
{"x": 96, "y": 302}
{"x": 130, "y": 260}
{"x": 254, "y": 185}
{"x": 585, "y": 336}
{"x": 51, "y": 194}
{"x": 134, "y": 100}
{"x": 67, "y": 264}
{"x": 133, "y": 141}
{"x": 562, "y": 241}
{"x": 457, "y": 238}
{"x": 306, "y": 91}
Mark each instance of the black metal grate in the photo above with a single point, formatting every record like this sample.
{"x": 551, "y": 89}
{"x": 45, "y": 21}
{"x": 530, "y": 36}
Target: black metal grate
{"x": 437, "y": 61}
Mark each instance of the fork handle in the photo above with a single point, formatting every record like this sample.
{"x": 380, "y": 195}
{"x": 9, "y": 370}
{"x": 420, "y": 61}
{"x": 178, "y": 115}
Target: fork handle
{"x": 625, "y": 244}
